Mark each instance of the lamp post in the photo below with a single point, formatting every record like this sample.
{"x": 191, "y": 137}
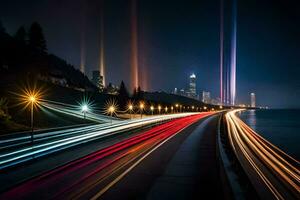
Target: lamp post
{"x": 32, "y": 101}
{"x": 176, "y": 105}
{"x": 152, "y": 108}
{"x": 172, "y": 108}
{"x": 141, "y": 109}
{"x": 111, "y": 110}
{"x": 159, "y": 109}
{"x": 84, "y": 110}
{"x": 130, "y": 108}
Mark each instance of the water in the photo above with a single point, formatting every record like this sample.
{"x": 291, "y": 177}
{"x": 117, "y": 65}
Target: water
{"x": 280, "y": 127}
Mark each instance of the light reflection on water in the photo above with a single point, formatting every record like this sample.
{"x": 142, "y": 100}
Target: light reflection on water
{"x": 280, "y": 127}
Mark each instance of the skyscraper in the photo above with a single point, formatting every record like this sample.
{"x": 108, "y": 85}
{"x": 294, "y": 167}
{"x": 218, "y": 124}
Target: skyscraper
{"x": 205, "y": 97}
{"x": 97, "y": 79}
{"x": 253, "y": 101}
{"x": 192, "y": 89}
{"x": 228, "y": 28}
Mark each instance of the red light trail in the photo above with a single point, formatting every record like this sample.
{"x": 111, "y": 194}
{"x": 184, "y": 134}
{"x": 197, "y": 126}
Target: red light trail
{"x": 94, "y": 174}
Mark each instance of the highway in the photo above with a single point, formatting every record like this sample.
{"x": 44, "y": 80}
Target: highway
{"x": 176, "y": 157}
{"x": 273, "y": 173}
{"x": 91, "y": 176}
{"x": 20, "y": 149}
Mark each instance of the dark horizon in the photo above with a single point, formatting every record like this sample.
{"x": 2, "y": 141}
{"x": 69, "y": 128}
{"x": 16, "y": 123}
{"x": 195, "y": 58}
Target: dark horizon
{"x": 176, "y": 40}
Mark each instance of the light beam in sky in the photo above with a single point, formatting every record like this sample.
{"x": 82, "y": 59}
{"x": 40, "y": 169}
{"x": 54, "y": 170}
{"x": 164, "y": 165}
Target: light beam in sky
{"x": 134, "y": 46}
{"x": 102, "y": 64}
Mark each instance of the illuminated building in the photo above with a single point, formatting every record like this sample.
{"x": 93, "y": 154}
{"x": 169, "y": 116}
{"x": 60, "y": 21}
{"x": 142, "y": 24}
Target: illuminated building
{"x": 205, "y": 97}
{"x": 252, "y": 98}
{"x": 192, "y": 88}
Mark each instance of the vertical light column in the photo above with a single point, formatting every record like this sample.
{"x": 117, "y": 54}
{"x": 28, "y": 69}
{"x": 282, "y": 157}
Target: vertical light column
{"x": 221, "y": 48}
{"x": 82, "y": 42}
{"x": 233, "y": 55}
{"x": 134, "y": 46}
{"x": 102, "y": 61}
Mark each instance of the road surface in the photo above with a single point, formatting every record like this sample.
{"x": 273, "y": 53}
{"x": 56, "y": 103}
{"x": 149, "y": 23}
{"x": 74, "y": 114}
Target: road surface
{"x": 94, "y": 176}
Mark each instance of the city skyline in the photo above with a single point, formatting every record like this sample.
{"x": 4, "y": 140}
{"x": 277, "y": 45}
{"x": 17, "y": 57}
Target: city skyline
{"x": 126, "y": 99}
{"x": 195, "y": 57}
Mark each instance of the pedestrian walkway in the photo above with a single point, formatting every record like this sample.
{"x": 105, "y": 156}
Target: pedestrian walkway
{"x": 193, "y": 171}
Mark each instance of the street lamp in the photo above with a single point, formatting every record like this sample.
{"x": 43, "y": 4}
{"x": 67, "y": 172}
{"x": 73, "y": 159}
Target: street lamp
{"x": 172, "y": 109}
{"x": 130, "y": 108}
{"x": 159, "y": 109}
{"x": 176, "y": 105}
{"x": 142, "y": 106}
{"x": 84, "y": 109}
{"x": 111, "y": 111}
{"x": 152, "y": 108}
{"x": 166, "y": 109}
{"x": 111, "y": 107}
{"x": 32, "y": 100}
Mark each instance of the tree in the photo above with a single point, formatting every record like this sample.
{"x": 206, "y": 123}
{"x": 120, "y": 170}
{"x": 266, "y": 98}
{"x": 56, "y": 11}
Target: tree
{"x": 123, "y": 95}
{"x": 20, "y": 35}
{"x": 37, "y": 40}
{"x": 2, "y": 29}
{"x": 138, "y": 94}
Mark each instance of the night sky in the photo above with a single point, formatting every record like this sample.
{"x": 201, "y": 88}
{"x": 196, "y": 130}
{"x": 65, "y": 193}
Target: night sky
{"x": 176, "y": 38}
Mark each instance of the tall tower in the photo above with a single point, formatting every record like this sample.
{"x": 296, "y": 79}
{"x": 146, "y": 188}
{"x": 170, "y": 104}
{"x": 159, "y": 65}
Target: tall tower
{"x": 193, "y": 85}
{"x": 253, "y": 100}
{"x": 228, "y": 29}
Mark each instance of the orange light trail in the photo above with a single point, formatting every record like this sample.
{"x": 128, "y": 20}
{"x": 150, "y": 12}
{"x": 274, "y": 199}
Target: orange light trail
{"x": 278, "y": 171}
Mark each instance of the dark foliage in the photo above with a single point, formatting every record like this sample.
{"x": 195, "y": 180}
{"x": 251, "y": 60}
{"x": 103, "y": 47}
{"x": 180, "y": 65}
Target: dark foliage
{"x": 24, "y": 56}
{"x": 37, "y": 42}
{"x": 123, "y": 96}
{"x": 138, "y": 94}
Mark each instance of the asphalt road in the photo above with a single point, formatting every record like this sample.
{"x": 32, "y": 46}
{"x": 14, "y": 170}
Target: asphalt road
{"x": 185, "y": 167}
{"x": 94, "y": 175}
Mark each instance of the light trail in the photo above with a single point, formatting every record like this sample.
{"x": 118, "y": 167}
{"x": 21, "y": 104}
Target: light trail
{"x": 53, "y": 141}
{"x": 272, "y": 172}
{"x": 91, "y": 176}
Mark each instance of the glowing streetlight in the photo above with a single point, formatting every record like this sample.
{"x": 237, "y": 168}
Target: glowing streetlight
{"x": 193, "y": 107}
{"x": 159, "y": 109}
{"x": 166, "y": 109}
{"x": 152, "y": 109}
{"x": 130, "y": 108}
{"x": 111, "y": 111}
{"x": 111, "y": 108}
{"x": 142, "y": 106}
{"x": 221, "y": 107}
{"x": 172, "y": 108}
{"x": 204, "y": 108}
{"x": 176, "y": 106}
{"x": 84, "y": 110}
{"x": 32, "y": 100}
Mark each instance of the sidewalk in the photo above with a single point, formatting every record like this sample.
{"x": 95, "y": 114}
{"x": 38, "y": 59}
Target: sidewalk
{"x": 193, "y": 171}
